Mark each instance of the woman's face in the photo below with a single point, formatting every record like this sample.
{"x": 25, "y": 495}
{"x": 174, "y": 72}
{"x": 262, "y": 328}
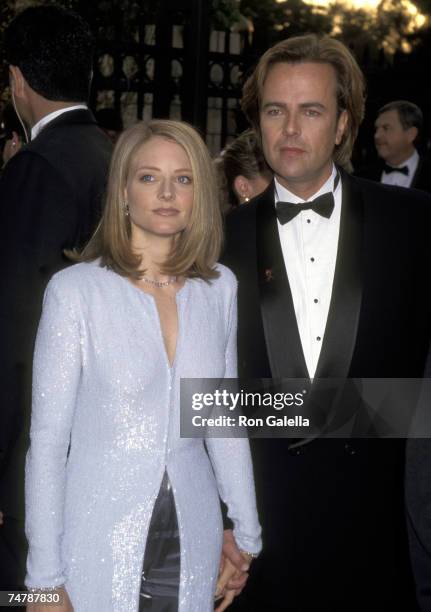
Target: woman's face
{"x": 159, "y": 189}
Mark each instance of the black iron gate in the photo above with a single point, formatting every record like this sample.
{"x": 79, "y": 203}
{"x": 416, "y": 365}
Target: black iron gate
{"x": 171, "y": 64}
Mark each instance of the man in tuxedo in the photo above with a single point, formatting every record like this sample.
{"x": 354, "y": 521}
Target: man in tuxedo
{"x": 397, "y": 132}
{"x": 50, "y": 195}
{"x": 333, "y": 283}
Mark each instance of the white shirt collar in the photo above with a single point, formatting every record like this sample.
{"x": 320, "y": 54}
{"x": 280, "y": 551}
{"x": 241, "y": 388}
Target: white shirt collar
{"x": 283, "y": 194}
{"x": 411, "y": 163}
{"x": 38, "y": 127}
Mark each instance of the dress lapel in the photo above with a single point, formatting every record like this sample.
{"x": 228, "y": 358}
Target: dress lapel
{"x": 343, "y": 317}
{"x": 282, "y": 338}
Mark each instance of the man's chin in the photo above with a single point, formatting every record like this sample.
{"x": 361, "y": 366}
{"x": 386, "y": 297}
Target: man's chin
{"x": 291, "y": 172}
{"x": 382, "y": 151}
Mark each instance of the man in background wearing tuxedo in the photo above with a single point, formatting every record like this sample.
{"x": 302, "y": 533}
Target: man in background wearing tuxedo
{"x": 333, "y": 278}
{"x": 50, "y": 200}
{"x": 397, "y": 132}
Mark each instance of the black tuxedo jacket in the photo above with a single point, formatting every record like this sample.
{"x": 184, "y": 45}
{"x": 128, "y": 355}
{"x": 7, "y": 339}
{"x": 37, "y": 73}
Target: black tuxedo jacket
{"x": 50, "y": 199}
{"x": 421, "y": 179}
{"x": 332, "y": 511}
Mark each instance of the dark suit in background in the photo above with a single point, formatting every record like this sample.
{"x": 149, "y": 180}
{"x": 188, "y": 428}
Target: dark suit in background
{"x": 50, "y": 200}
{"x": 332, "y": 511}
{"x": 421, "y": 179}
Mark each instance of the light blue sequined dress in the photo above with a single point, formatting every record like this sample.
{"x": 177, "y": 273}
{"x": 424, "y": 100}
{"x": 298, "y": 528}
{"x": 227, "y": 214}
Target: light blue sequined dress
{"x": 103, "y": 385}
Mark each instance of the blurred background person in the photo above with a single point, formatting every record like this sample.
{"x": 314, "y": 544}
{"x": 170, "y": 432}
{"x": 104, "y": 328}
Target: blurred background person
{"x": 242, "y": 170}
{"x": 12, "y": 134}
{"x": 50, "y": 199}
{"x": 398, "y": 131}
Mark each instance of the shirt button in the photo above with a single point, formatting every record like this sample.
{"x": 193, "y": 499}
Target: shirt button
{"x": 308, "y": 220}
{"x": 318, "y": 338}
{"x": 296, "y": 452}
{"x": 311, "y": 258}
{"x": 315, "y": 300}
{"x": 349, "y": 449}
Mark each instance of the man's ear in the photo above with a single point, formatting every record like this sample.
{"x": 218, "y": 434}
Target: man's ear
{"x": 412, "y": 133}
{"x": 17, "y": 81}
{"x": 343, "y": 120}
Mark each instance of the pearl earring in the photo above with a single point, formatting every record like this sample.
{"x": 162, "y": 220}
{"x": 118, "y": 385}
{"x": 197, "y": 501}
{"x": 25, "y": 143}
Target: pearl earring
{"x": 126, "y": 208}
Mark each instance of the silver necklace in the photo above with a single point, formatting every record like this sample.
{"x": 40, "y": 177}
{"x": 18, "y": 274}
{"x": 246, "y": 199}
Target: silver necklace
{"x": 159, "y": 284}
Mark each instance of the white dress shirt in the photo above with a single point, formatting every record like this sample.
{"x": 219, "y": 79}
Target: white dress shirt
{"x": 398, "y": 178}
{"x": 309, "y": 243}
{"x": 38, "y": 127}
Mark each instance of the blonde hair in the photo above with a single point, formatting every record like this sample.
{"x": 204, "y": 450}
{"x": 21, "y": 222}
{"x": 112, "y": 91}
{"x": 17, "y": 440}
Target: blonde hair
{"x": 322, "y": 50}
{"x": 198, "y": 247}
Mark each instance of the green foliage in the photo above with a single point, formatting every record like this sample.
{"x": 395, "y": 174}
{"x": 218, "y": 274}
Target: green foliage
{"x": 300, "y": 18}
{"x": 224, "y": 13}
{"x": 388, "y": 28}
{"x": 263, "y": 12}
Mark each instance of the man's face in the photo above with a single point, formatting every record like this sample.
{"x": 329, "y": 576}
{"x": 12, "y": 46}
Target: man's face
{"x": 393, "y": 142}
{"x": 300, "y": 125}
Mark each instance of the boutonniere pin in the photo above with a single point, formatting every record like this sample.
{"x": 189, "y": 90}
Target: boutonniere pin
{"x": 269, "y": 275}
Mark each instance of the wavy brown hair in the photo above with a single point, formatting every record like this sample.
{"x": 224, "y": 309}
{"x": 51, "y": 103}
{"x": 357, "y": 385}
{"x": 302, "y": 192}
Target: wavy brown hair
{"x": 322, "y": 50}
{"x": 198, "y": 247}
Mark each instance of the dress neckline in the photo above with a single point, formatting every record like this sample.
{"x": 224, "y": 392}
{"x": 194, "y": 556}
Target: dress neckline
{"x": 129, "y": 283}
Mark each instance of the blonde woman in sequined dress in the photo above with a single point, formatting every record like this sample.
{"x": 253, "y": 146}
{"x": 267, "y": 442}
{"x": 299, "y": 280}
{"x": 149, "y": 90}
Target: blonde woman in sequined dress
{"x": 123, "y": 514}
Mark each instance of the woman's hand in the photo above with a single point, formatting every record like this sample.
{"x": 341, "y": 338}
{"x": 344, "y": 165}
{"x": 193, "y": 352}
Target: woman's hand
{"x": 231, "y": 581}
{"x": 65, "y": 606}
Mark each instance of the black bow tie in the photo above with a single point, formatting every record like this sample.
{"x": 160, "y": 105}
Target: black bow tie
{"x": 388, "y": 169}
{"x": 323, "y": 205}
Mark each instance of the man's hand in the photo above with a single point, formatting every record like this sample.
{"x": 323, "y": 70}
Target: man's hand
{"x": 234, "y": 567}
{"x": 229, "y": 574}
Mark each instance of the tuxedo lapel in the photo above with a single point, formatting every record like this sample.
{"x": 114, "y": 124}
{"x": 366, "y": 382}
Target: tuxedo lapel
{"x": 342, "y": 324}
{"x": 240, "y": 257}
{"x": 282, "y": 338}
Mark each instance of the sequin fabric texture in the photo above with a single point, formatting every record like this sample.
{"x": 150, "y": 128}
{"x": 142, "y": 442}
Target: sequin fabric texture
{"x": 105, "y": 426}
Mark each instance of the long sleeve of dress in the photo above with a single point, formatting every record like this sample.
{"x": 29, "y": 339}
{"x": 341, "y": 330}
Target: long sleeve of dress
{"x": 56, "y": 372}
{"x": 232, "y": 464}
